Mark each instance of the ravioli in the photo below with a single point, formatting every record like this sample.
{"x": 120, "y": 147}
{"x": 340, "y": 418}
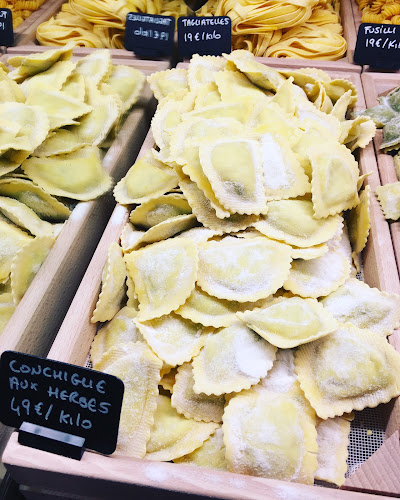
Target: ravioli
{"x": 200, "y": 407}
{"x": 243, "y": 269}
{"x": 270, "y": 435}
{"x": 365, "y": 372}
{"x": 365, "y": 307}
{"x": 389, "y": 199}
{"x": 120, "y": 330}
{"x": 233, "y": 84}
{"x": 208, "y": 310}
{"x": 211, "y": 454}
{"x": 162, "y": 231}
{"x": 97, "y": 66}
{"x": 164, "y": 274}
{"x": 139, "y": 369}
{"x": 164, "y": 83}
{"x": 96, "y": 124}
{"x": 290, "y": 322}
{"x": 261, "y": 75}
{"x": 52, "y": 79}
{"x": 358, "y": 223}
{"x": 12, "y": 239}
{"x": 34, "y": 127}
{"x": 233, "y": 168}
{"x": 112, "y": 286}
{"x": 24, "y": 217}
{"x": 293, "y": 222}
{"x": 283, "y": 175}
{"x": 159, "y": 209}
{"x": 175, "y": 340}
{"x": 42, "y": 61}
{"x": 127, "y": 83}
{"x": 173, "y": 435}
{"x": 233, "y": 359}
{"x": 333, "y": 440}
{"x": 318, "y": 277}
{"x": 61, "y": 109}
{"x": 78, "y": 175}
{"x": 34, "y": 197}
{"x": 334, "y": 179}
{"x": 203, "y": 69}
{"x": 148, "y": 178}
{"x": 7, "y": 309}
{"x": 74, "y": 86}
{"x": 27, "y": 263}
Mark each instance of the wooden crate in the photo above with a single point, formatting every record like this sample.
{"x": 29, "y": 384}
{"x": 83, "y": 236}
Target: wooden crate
{"x": 376, "y": 84}
{"x": 43, "y": 475}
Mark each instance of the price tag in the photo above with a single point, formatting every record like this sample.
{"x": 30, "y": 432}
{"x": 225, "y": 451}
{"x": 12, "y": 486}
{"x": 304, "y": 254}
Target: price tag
{"x": 204, "y": 35}
{"x": 61, "y": 397}
{"x": 149, "y": 35}
{"x": 6, "y": 28}
{"x": 378, "y": 45}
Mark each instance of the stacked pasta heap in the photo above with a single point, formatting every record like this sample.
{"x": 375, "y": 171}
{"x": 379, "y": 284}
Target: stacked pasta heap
{"x": 277, "y": 28}
{"x": 21, "y": 9}
{"x": 246, "y": 342}
{"x": 55, "y": 115}
{"x": 380, "y": 11}
{"x": 386, "y": 115}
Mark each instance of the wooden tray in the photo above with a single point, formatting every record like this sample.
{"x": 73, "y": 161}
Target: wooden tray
{"x": 376, "y": 84}
{"x": 43, "y": 475}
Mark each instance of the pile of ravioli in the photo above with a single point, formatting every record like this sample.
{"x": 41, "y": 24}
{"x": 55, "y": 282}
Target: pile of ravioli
{"x": 386, "y": 115}
{"x": 233, "y": 313}
{"x": 55, "y": 115}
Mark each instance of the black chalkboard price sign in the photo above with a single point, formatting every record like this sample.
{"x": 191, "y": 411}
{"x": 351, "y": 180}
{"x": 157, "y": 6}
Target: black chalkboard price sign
{"x": 378, "y": 45}
{"x": 6, "y": 28}
{"x": 149, "y": 35}
{"x": 209, "y": 35}
{"x": 48, "y": 399}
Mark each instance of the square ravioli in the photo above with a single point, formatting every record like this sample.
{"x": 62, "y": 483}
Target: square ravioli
{"x": 164, "y": 275}
{"x": 270, "y": 435}
{"x": 243, "y": 269}
{"x": 350, "y": 369}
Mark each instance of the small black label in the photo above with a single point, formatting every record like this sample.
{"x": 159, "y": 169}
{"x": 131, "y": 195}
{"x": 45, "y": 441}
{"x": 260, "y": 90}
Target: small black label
{"x": 204, "y": 35}
{"x": 149, "y": 35}
{"x": 378, "y": 45}
{"x": 61, "y": 396}
{"x": 6, "y": 28}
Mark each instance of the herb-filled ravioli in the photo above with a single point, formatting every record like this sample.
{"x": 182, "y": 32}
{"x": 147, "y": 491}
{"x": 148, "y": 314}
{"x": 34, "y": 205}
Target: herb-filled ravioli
{"x": 351, "y": 369}
{"x": 247, "y": 220}
{"x": 55, "y": 115}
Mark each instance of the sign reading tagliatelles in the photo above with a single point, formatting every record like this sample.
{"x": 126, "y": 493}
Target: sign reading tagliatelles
{"x": 378, "y": 45}
{"x": 209, "y": 35}
{"x": 149, "y": 35}
{"x": 43, "y": 398}
{"x": 6, "y": 28}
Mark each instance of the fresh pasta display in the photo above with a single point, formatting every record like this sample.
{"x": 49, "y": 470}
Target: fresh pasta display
{"x": 57, "y": 117}
{"x": 232, "y": 300}
{"x": 283, "y": 28}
